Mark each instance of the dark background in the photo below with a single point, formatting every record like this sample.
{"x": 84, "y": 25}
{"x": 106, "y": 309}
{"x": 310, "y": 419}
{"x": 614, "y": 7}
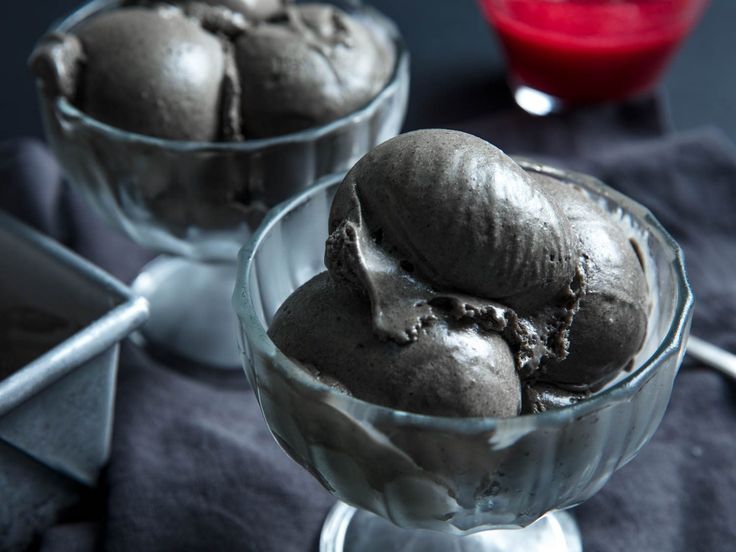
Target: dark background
{"x": 457, "y": 70}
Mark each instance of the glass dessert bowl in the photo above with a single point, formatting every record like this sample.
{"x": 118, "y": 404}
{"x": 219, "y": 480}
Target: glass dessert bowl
{"x": 470, "y": 479}
{"x": 197, "y": 202}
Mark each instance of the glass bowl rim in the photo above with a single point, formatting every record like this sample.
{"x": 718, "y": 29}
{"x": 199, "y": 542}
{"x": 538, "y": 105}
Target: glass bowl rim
{"x": 622, "y": 390}
{"x": 400, "y": 69}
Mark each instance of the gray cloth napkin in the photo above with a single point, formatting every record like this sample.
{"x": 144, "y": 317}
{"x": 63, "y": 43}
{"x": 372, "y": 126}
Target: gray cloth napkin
{"x": 193, "y": 465}
{"x": 679, "y": 494}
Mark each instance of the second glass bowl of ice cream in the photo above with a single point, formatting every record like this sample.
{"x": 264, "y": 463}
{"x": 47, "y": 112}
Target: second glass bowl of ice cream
{"x": 454, "y": 475}
{"x": 202, "y": 200}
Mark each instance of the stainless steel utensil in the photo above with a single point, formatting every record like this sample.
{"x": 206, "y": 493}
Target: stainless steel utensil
{"x": 56, "y": 411}
{"x": 713, "y": 356}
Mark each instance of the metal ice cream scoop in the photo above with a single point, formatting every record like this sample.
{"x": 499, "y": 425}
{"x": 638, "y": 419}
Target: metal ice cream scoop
{"x": 713, "y": 356}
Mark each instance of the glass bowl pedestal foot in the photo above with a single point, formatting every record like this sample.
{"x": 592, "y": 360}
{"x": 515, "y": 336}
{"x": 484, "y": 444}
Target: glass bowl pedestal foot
{"x": 349, "y": 529}
{"x": 191, "y": 316}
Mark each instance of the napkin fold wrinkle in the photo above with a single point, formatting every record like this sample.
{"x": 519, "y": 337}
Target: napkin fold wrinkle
{"x": 194, "y": 467}
{"x": 30, "y": 186}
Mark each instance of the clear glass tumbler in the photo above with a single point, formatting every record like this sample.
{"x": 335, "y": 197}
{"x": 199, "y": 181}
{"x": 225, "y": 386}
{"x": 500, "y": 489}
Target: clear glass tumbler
{"x": 570, "y": 52}
{"x": 468, "y": 480}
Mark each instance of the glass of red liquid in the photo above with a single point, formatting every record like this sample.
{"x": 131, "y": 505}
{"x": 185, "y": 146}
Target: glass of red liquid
{"x": 564, "y": 53}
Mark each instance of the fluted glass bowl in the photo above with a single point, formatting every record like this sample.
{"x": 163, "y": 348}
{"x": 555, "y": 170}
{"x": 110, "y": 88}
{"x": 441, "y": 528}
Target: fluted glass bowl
{"x": 456, "y": 475}
{"x": 203, "y": 199}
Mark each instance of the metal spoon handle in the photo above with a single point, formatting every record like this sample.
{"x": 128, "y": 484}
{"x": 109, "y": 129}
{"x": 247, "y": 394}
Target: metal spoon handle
{"x": 711, "y": 355}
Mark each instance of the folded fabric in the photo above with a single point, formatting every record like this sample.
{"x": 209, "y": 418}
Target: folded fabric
{"x": 193, "y": 465}
{"x": 679, "y": 494}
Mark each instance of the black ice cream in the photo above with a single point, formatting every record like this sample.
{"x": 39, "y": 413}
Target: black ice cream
{"x": 458, "y": 282}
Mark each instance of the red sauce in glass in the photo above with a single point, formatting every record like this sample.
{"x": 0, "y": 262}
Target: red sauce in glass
{"x": 586, "y": 50}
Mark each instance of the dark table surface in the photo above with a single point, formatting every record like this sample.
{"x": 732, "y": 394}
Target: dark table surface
{"x": 457, "y": 71}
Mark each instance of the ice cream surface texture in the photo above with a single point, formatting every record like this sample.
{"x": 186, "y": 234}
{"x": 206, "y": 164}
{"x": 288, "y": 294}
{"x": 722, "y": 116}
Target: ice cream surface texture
{"x": 217, "y": 70}
{"x": 459, "y": 284}
{"x": 153, "y": 72}
{"x": 306, "y": 67}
